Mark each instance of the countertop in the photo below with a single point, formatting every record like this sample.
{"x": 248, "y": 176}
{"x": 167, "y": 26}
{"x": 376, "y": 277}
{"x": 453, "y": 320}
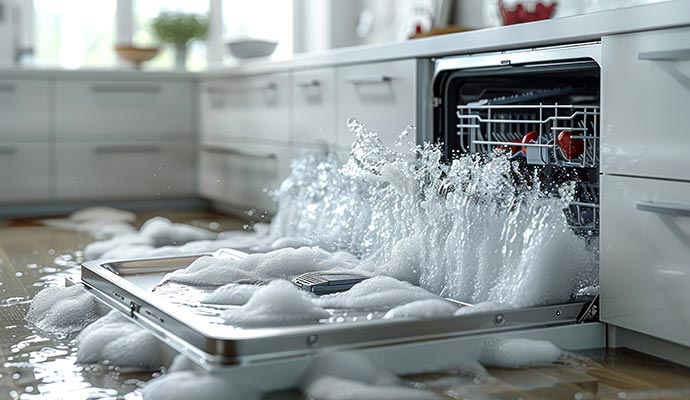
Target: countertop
{"x": 560, "y": 31}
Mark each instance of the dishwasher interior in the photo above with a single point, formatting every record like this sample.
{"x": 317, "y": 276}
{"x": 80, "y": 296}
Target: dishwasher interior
{"x": 481, "y": 105}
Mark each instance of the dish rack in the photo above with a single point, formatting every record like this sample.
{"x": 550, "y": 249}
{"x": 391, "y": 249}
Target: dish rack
{"x": 483, "y": 128}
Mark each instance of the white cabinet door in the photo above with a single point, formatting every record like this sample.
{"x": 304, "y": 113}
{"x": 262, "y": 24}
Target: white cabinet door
{"x": 141, "y": 109}
{"x": 125, "y": 170}
{"x": 382, "y": 96}
{"x": 645, "y": 103}
{"x": 26, "y": 172}
{"x": 645, "y": 256}
{"x": 25, "y": 108}
{"x": 242, "y": 175}
{"x": 313, "y": 107}
{"x": 254, "y": 107}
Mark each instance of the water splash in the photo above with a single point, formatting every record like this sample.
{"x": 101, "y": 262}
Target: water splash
{"x": 478, "y": 229}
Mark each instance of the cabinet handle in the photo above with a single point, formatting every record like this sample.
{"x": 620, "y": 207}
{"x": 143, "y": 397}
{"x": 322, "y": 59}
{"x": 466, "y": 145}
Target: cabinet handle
{"x": 665, "y": 55}
{"x": 368, "y": 79}
{"x": 222, "y": 90}
{"x": 240, "y": 153}
{"x": 7, "y": 151}
{"x": 7, "y": 87}
{"x": 126, "y": 149}
{"x": 309, "y": 83}
{"x": 124, "y": 88}
{"x": 665, "y": 208}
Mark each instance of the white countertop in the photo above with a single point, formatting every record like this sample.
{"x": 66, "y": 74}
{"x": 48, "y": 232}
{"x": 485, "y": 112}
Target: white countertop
{"x": 581, "y": 28}
{"x": 576, "y": 29}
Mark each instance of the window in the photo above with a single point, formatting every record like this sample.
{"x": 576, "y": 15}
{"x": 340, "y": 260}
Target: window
{"x": 260, "y": 19}
{"x": 144, "y": 13}
{"x": 74, "y": 33}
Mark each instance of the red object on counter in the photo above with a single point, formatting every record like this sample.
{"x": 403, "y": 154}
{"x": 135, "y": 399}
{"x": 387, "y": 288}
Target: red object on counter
{"x": 519, "y": 14}
{"x": 530, "y": 137}
{"x": 571, "y": 148}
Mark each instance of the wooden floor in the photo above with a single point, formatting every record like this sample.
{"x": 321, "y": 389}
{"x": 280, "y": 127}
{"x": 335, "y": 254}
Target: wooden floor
{"x": 37, "y": 365}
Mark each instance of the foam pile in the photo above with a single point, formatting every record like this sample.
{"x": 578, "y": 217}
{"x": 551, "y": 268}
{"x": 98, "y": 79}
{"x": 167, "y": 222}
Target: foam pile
{"x": 101, "y": 222}
{"x": 232, "y": 294}
{"x": 155, "y": 232}
{"x": 116, "y": 341}
{"x": 379, "y": 292}
{"x": 278, "y": 303}
{"x": 279, "y": 264}
{"x": 518, "y": 353}
{"x": 345, "y": 376}
{"x": 64, "y": 310}
{"x": 422, "y": 309}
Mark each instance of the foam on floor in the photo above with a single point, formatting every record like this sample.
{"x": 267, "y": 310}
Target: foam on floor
{"x": 185, "y": 385}
{"x": 422, "y": 309}
{"x": 116, "y": 341}
{"x": 379, "y": 292}
{"x": 348, "y": 375}
{"x": 64, "y": 310}
{"x": 276, "y": 304}
{"x": 155, "y": 233}
{"x": 518, "y": 353}
{"x": 279, "y": 264}
{"x": 231, "y": 294}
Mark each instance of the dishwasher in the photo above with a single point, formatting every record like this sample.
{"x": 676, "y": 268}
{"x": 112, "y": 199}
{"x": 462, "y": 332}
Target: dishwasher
{"x": 519, "y": 102}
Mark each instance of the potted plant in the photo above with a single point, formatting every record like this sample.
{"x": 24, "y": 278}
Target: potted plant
{"x": 179, "y": 30}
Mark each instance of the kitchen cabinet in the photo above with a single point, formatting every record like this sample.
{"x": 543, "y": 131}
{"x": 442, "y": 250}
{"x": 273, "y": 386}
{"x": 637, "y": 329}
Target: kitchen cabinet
{"x": 382, "y": 96}
{"x": 645, "y": 97}
{"x": 26, "y": 110}
{"x": 645, "y": 248}
{"x": 314, "y": 107}
{"x": 242, "y": 174}
{"x": 143, "y": 110}
{"x": 27, "y": 172}
{"x": 125, "y": 170}
{"x": 254, "y": 107}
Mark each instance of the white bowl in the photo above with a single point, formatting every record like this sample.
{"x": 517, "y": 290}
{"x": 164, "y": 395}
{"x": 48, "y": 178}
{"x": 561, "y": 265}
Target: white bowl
{"x": 250, "y": 48}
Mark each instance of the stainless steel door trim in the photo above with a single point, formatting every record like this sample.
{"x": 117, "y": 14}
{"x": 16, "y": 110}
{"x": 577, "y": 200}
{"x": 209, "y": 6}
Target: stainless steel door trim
{"x": 135, "y": 88}
{"x": 368, "y": 79}
{"x": 220, "y": 344}
{"x": 590, "y": 50}
{"x": 675, "y": 209}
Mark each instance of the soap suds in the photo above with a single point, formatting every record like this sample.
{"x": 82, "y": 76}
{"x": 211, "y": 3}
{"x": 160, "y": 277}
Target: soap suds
{"x": 64, "y": 310}
{"x": 484, "y": 307}
{"x": 231, "y": 294}
{"x": 276, "y": 304}
{"x": 379, "y": 292}
{"x": 115, "y": 340}
{"x": 344, "y": 376}
{"x": 279, "y": 264}
{"x": 518, "y": 353}
{"x": 422, "y": 309}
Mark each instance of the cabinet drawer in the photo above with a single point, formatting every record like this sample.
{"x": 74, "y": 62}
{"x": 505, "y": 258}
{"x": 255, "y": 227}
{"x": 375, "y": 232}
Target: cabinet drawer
{"x": 242, "y": 175}
{"x": 313, "y": 102}
{"x": 382, "y": 96}
{"x": 645, "y": 96}
{"x": 26, "y": 172}
{"x": 105, "y": 108}
{"x": 25, "y": 108}
{"x": 147, "y": 170}
{"x": 645, "y": 253}
{"x": 248, "y": 107}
